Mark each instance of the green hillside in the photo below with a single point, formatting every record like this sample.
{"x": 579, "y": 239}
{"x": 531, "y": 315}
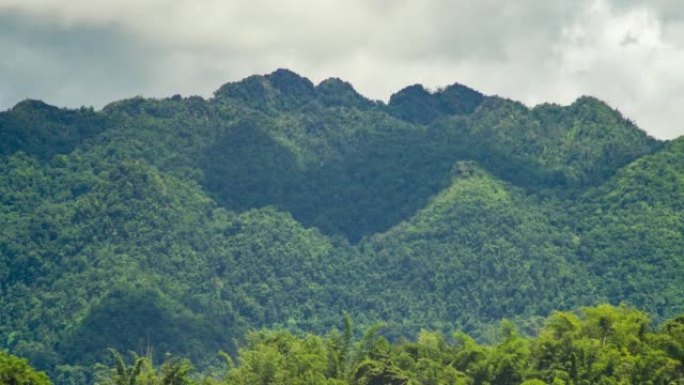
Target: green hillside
{"x": 480, "y": 250}
{"x": 178, "y": 224}
{"x": 631, "y": 232}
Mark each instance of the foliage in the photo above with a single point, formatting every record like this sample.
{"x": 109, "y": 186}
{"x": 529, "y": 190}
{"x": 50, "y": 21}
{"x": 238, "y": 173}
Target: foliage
{"x": 598, "y": 345}
{"x": 175, "y": 225}
{"x": 141, "y": 371}
{"x": 16, "y": 371}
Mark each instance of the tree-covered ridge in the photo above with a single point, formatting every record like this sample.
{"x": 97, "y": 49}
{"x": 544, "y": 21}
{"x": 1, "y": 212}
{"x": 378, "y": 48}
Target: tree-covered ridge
{"x": 549, "y": 146}
{"x": 630, "y": 231}
{"x": 280, "y": 203}
{"x": 121, "y": 256}
{"x": 417, "y": 105}
{"x": 43, "y": 131}
{"x": 351, "y": 167}
{"x": 484, "y": 239}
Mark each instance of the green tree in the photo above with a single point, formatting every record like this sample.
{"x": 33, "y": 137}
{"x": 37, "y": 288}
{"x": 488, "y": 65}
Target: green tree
{"x": 17, "y": 371}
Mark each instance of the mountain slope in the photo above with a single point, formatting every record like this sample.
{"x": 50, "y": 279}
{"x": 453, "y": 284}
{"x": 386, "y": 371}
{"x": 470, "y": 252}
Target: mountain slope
{"x": 278, "y": 202}
{"x": 632, "y": 232}
{"x": 480, "y": 250}
{"x": 564, "y": 148}
{"x": 123, "y": 256}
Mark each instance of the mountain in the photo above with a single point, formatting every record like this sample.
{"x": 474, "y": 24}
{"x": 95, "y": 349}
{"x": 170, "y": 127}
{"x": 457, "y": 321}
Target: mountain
{"x": 631, "y": 230}
{"x": 485, "y": 246}
{"x": 179, "y": 223}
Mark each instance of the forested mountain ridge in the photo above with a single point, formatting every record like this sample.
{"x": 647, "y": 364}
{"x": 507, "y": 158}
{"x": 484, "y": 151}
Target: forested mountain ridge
{"x": 282, "y": 203}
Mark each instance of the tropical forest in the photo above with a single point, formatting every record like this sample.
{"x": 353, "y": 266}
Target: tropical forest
{"x": 285, "y": 232}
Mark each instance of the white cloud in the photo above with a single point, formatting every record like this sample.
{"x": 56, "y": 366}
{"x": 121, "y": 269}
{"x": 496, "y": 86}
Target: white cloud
{"x": 624, "y": 51}
{"x": 622, "y": 56}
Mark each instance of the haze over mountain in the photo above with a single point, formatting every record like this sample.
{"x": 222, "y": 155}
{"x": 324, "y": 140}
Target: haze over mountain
{"x": 180, "y": 223}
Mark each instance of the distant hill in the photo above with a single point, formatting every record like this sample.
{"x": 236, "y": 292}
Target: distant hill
{"x": 180, "y": 223}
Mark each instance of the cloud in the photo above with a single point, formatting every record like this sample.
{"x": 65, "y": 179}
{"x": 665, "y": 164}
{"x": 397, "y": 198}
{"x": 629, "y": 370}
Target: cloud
{"x": 73, "y": 66}
{"x": 91, "y": 52}
{"x": 623, "y": 56}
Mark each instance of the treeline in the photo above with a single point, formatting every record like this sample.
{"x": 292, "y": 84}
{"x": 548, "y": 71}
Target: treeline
{"x": 598, "y": 345}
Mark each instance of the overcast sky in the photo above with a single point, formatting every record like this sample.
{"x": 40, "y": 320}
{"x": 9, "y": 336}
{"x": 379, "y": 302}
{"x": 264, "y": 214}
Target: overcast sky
{"x": 91, "y": 52}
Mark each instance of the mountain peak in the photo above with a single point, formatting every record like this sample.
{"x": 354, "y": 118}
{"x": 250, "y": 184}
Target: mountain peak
{"x": 458, "y": 99}
{"x": 282, "y": 89}
{"x": 586, "y": 100}
{"x": 289, "y": 82}
{"x": 418, "y": 105}
{"x": 33, "y": 105}
{"x": 337, "y": 92}
{"x": 336, "y": 84}
{"x": 415, "y": 92}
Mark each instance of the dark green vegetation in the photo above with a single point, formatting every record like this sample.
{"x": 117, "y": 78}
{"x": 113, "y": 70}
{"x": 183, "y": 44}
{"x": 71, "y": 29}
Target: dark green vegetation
{"x": 179, "y": 223}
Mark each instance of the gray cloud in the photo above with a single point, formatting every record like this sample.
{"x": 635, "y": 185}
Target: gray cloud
{"x": 71, "y": 66}
{"x": 84, "y": 52}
